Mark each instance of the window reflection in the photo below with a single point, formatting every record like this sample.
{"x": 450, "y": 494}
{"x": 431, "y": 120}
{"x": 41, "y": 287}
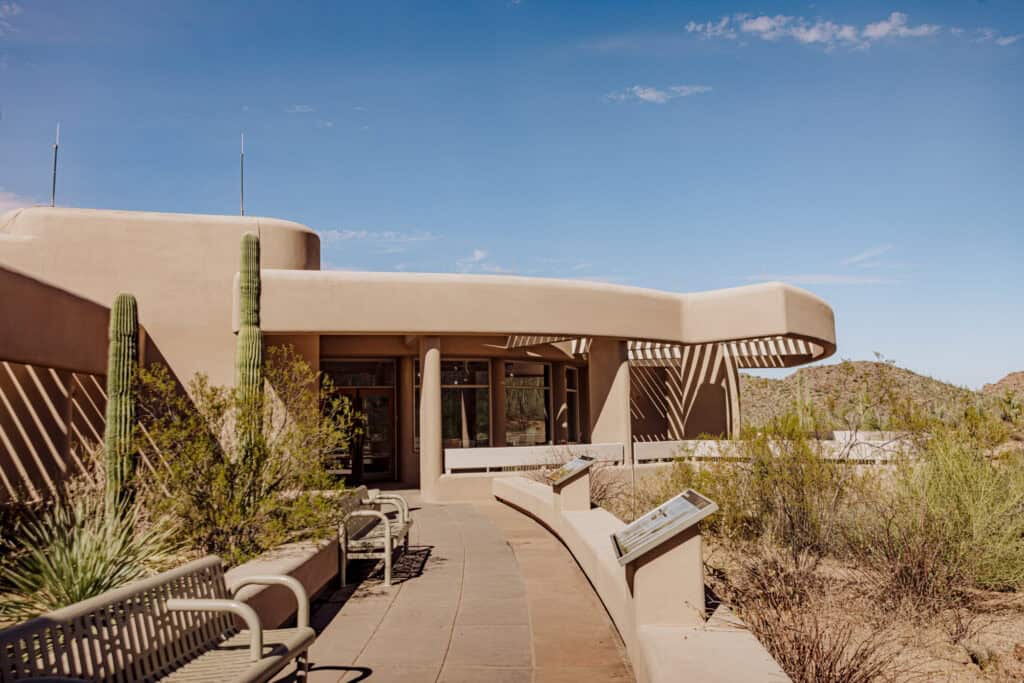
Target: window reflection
{"x": 527, "y": 401}
{"x": 465, "y": 403}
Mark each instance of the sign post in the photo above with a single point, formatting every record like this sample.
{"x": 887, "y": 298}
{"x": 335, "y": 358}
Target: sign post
{"x": 661, "y": 552}
{"x": 571, "y": 484}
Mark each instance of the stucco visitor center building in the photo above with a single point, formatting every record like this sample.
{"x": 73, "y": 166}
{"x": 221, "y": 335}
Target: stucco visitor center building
{"x": 462, "y": 377}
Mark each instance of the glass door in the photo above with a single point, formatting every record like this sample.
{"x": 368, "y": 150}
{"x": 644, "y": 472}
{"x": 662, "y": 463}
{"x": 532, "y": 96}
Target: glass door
{"x": 377, "y": 456}
{"x": 370, "y": 386}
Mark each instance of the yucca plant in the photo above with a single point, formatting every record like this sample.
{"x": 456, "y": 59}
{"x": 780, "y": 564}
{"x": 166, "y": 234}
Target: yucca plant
{"x": 75, "y": 549}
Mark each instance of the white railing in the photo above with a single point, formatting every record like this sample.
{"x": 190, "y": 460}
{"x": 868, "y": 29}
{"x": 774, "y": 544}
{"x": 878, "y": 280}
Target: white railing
{"x": 500, "y": 458}
{"x": 851, "y": 449}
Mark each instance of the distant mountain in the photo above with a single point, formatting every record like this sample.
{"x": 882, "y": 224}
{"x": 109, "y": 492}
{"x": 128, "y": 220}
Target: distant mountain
{"x": 849, "y": 387}
{"x": 1011, "y": 384}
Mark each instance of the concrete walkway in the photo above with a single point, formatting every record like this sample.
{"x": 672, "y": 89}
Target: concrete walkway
{"x": 485, "y": 594}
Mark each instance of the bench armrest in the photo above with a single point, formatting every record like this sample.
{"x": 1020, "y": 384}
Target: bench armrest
{"x": 239, "y": 609}
{"x": 289, "y": 582}
{"x": 343, "y": 529}
{"x": 398, "y": 502}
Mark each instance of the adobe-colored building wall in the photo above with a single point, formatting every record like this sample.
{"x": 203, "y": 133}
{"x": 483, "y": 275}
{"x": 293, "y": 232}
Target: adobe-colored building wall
{"x": 181, "y": 269}
{"x": 51, "y": 421}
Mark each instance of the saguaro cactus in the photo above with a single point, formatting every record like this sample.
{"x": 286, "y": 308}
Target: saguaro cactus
{"x": 122, "y": 361}
{"x": 249, "y": 354}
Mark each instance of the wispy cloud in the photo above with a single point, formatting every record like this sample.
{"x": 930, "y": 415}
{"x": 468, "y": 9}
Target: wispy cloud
{"x": 821, "y": 279}
{"x": 8, "y": 10}
{"x": 896, "y": 27}
{"x": 377, "y": 235}
{"x": 990, "y": 35}
{"x": 299, "y": 109}
{"x": 378, "y": 241}
{"x": 10, "y": 200}
{"x": 854, "y": 265}
{"x": 867, "y": 257}
{"x": 478, "y": 261}
{"x": 325, "y": 123}
{"x": 645, "y": 93}
{"x": 810, "y": 32}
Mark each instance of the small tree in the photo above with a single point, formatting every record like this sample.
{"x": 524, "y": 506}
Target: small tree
{"x": 227, "y": 497}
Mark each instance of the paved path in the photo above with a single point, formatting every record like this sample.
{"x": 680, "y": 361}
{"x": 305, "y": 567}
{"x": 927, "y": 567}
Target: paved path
{"x": 485, "y": 594}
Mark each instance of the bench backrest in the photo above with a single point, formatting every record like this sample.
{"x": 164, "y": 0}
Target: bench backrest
{"x": 356, "y": 525}
{"x": 126, "y": 634}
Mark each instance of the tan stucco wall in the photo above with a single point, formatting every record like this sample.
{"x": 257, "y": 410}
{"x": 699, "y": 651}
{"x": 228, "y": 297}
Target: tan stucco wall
{"x": 50, "y": 422}
{"x": 179, "y": 267}
{"x": 424, "y": 303}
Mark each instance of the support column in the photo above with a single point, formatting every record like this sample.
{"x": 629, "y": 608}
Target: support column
{"x": 408, "y": 459}
{"x": 431, "y": 454}
{"x": 608, "y": 384}
{"x": 560, "y": 407}
{"x": 498, "y": 402}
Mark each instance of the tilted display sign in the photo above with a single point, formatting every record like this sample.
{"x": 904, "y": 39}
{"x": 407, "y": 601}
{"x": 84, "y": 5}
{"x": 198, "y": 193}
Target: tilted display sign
{"x": 569, "y": 469}
{"x": 660, "y": 524}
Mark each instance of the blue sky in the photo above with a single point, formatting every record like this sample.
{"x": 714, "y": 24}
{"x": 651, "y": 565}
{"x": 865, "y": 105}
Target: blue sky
{"x": 870, "y": 152}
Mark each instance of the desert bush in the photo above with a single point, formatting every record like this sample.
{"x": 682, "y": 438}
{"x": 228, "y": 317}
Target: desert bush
{"x": 73, "y": 550}
{"x": 787, "y": 603}
{"x": 950, "y": 518}
{"x": 278, "y": 492}
{"x": 76, "y": 547}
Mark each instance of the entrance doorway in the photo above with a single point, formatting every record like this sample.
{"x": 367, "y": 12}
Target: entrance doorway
{"x": 370, "y": 386}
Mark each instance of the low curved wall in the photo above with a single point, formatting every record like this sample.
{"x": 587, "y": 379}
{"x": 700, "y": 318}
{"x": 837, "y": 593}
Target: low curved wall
{"x": 683, "y": 646}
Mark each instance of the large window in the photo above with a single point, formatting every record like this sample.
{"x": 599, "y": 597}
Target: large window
{"x": 527, "y": 403}
{"x": 465, "y": 403}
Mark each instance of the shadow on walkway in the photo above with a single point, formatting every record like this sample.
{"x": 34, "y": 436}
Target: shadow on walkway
{"x": 367, "y": 576}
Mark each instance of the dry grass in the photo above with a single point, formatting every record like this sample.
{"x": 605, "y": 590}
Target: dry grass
{"x": 902, "y": 573}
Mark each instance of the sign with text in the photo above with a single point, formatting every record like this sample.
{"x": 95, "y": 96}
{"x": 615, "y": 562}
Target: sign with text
{"x": 660, "y": 524}
{"x": 569, "y": 470}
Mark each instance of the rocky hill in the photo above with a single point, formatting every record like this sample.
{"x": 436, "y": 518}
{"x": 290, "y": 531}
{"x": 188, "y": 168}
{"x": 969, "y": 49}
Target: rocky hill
{"x": 853, "y": 387}
{"x": 1011, "y": 384}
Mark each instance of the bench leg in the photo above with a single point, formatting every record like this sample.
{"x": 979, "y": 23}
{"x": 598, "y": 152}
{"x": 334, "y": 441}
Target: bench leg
{"x": 388, "y": 553}
{"x": 343, "y": 561}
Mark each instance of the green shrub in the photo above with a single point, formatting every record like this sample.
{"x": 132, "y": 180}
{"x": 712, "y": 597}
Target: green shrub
{"x": 236, "y": 506}
{"x": 77, "y": 548}
{"x": 951, "y": 517}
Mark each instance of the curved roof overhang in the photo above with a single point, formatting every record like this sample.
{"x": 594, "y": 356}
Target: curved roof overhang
{"x": 346, "y": 302}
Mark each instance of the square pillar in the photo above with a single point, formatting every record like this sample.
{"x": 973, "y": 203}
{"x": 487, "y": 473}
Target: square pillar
{"x": 498, "y": 402}
{"x": 608, "y": 394}
{"x": 431, "y": 454}
{"x": 408, "y": 458}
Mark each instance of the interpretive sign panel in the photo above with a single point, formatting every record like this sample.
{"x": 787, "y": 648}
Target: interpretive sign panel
{"x": 660, "y": 524}
{"x": 569, "y": 470}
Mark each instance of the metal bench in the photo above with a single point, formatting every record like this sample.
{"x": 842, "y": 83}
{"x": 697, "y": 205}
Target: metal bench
{"x": 368, "y": 533}
{"x": 181, "y": 625}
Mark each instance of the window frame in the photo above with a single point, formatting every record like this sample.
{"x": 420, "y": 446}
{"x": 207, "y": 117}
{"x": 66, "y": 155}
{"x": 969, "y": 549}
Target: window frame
{"x": 417, "y": 383}
{"x": 547, "y": 388}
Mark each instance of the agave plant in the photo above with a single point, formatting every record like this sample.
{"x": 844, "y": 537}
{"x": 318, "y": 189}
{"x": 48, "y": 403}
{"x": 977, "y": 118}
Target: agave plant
{"x": 76, "y": 549}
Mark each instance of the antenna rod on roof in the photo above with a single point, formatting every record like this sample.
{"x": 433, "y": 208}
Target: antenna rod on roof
{"x": 53, "y": 177}
{"x": 241, "y": 179}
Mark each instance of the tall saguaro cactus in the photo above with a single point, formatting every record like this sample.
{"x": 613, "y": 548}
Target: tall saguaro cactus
{"x": 249, "y": 354}
{"x": 122, "y": 362}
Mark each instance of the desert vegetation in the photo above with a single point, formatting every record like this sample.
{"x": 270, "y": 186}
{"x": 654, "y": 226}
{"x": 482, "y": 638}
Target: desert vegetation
{"x": 184, "y": 471}
{"x": 846, "y": 572}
